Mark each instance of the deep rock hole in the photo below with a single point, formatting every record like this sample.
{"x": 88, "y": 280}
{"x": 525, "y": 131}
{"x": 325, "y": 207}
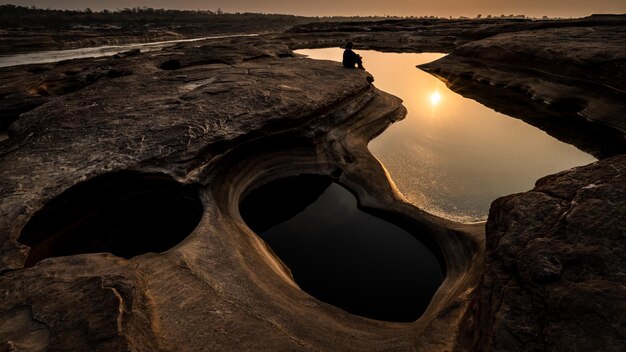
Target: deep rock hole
{"x": 342, "y": 255}
{"x": 172, "y": 64}
{"x": 125, "y": 213}
{"x": 568, "y": 105}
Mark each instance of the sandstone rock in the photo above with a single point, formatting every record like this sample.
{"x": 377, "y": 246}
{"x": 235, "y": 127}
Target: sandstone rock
{"x": 27, "y": 87}
{"x": 555, "y": 265}
{"x": 554, "y": 272}
{"x": 233, "y": 115}
{"x": 96, "y": 302}
{"x": 425, "y": 35}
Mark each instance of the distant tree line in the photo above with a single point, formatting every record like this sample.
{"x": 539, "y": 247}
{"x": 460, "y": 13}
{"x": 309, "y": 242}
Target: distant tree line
{"x": 13, "y": 17}
{"x": 21, "y": 17}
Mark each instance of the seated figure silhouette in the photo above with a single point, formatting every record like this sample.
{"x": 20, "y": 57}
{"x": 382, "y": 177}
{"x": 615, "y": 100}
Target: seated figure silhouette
{"x": 350, "y": 58}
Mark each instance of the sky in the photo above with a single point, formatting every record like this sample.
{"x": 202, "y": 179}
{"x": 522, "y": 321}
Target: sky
{"x": 454, "y": 8}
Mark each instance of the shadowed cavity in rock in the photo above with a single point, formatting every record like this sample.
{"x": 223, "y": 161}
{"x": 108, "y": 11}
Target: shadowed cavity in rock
{"x": 341, "y": 254}
{"x": 123, "y": 213}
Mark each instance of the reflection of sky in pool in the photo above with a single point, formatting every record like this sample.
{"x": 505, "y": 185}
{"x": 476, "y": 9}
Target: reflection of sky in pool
{"x": 453, "y": 156}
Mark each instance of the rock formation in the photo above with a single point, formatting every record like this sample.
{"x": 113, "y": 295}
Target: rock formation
{"x": 226, "y": 118}
{"x": 554, "y": 274}
{"x": 560, "y": 83}
{"x": 555, "y": 268}
{"x": 199, "y": 125}
{"x": 426, "y": 34}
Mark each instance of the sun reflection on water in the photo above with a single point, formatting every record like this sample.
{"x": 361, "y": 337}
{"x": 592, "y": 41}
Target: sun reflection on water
{"x": 451, "y": 155}
{"x": 435, "y": 98}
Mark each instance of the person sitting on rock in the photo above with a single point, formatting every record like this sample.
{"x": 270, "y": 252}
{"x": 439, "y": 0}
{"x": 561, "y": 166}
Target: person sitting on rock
{"x": 350, "y": 58}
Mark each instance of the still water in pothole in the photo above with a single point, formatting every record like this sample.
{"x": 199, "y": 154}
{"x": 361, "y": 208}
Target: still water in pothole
{"x": 342, "y": 255}
{"x": 452, "y": 156}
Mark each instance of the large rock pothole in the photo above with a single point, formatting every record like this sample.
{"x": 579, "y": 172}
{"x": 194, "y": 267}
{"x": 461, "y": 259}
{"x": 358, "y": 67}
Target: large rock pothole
{"x": 340, "y": 254}
{"x": 124, "y": 213}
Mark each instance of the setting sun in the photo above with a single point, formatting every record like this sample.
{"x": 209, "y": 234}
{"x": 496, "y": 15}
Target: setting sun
{"x": 435, "y": 98}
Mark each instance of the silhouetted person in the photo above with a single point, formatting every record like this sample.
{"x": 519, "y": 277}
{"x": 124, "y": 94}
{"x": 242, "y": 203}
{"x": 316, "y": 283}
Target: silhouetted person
{"x": 350, "y": 58}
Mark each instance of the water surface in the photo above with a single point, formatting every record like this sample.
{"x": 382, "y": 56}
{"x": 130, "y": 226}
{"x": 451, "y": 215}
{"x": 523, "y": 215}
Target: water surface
{"x": 41, "y": 57}
{"x": 340, "y": 254}
{"x": 452, "y": 156}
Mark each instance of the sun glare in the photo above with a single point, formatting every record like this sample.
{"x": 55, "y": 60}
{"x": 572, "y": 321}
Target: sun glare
{"x": 435, "y": 98}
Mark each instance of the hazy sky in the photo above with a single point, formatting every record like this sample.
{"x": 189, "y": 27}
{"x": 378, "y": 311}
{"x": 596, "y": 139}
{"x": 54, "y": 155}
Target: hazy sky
{"x": 562, "y": 8}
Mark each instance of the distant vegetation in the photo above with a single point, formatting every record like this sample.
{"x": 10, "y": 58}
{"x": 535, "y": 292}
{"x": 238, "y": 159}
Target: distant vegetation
{"x": 19, "y": 17}
{"x": 30, "y": 18}
{"x": 28, "y": 29}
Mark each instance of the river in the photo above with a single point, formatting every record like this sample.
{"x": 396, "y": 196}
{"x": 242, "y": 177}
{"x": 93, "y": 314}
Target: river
{"x": 42, "y": 57}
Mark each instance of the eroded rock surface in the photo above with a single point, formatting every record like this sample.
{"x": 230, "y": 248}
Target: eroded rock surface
{"x": 82, "y": 303}
{"x": 555, "y": 276}
{"x": 424, "y": 34}
{"x": 24, "y": 88}
{"x": 227, "y": 116}
{"x": 224, "y": 117}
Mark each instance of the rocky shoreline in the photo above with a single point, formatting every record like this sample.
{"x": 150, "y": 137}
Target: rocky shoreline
{"x": 226, "y": 116}
{"x": 571, "y": 77}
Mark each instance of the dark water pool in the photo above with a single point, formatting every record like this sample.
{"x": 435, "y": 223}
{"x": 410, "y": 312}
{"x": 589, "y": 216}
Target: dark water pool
{"x": 341, "y": 254}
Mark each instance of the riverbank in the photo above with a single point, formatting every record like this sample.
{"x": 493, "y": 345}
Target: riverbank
{"x": 24, "y": 30}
